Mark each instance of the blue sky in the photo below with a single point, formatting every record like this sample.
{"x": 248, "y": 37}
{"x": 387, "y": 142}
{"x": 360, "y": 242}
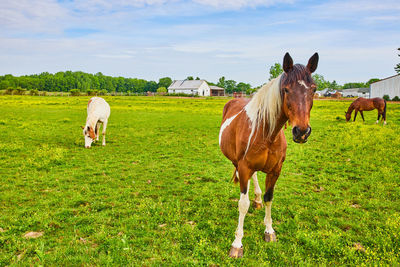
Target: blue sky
{"x": 239, "y": 39}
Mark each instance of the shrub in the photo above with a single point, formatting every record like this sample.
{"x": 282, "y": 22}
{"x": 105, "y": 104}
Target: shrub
{"x": 92, "y": 92}
{"x": 34, "y": 92}
{"x": 161, "y": 90}
{"x": 396, "y": 98}
{"x": 75, "y": 92}
{"x": 103, "y": 92}
{"x": 386, "y": 97}
{"x": 19, "y": 91}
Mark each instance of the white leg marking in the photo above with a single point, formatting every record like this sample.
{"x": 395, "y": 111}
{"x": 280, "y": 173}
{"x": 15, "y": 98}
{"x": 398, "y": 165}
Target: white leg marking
{"x": 377, "y": 122}
{"x": 104, "y": 132}
{"x": 226, "y": 123}
{"x": 244, "y": 204}
{"x": 257, "y": 189}
{"x": 384, "y": 123}
{"x": 268, "y": 219}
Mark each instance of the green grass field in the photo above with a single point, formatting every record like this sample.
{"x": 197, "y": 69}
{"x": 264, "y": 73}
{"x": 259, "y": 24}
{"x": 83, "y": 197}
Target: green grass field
{"x": 160, "y": 192}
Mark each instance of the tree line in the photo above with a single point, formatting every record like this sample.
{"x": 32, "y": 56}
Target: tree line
{"x": 320, "y": 81}
{"x": 78, "y": 80}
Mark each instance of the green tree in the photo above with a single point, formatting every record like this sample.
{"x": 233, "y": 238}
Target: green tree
{"x": 190, "y": 78}
{"x": 371, "y": 81}
{"x": 230, "y": 86}
{"x": 164, "y": 82}
{"x": 275, "y": 71}
{"x": 243, "y": 87}
{"x": 221, "y": 82}
{"x": 397, "y": 68}
{"x": 320, "y": 81}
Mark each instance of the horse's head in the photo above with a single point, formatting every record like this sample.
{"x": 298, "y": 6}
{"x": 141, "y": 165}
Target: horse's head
{"x": 348, "y": 116}
{"x": 298, "y": 88}
{"x": 88, "y": 133}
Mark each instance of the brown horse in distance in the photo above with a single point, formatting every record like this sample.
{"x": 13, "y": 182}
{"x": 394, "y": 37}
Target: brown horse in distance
{"x": 362, "y": 104}
{"x": 252, "y": 138}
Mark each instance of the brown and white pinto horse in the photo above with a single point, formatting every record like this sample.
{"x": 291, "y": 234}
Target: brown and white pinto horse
{"x": 362, "y": 104}
{"x": 251, "y": 136}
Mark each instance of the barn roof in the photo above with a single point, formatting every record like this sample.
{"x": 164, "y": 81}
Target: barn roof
{"x": 386, "y": 78}
{"x": 186, "y": 84}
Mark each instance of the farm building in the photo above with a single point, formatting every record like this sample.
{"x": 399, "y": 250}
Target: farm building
{"x": 355, "y": 92}
{"x": 195, "y": 87}
{"x": 389, "y": 86}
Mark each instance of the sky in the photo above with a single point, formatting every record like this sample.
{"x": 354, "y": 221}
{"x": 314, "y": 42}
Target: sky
{"x": 239, "y": 39}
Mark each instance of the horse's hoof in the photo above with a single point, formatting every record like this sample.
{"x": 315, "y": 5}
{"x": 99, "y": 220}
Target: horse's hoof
{"x": 257, "y": 205}
{"x": 236, "y": 252}
{"x": 270, "y": 237}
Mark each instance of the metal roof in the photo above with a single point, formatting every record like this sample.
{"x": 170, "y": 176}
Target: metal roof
{"x": 186, "y": 84}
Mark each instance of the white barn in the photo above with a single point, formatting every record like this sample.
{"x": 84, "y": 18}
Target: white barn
{"x": 389, "y": 86}
{"x": 195, "y": 87}
{"x": 355, "y": 92}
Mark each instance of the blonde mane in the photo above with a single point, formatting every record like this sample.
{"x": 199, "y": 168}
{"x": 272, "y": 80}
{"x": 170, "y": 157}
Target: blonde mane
{"x": 264, "y": 107}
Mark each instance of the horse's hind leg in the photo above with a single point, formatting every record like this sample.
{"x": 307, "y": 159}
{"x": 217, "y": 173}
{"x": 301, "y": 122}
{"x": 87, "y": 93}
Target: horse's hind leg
{"x": 379, "y": 116}
{"x": 104, "y": 132}
{"x": 257, "y": 191}
{"x": 269, "y": 234}
{"x": 244, "y": 203}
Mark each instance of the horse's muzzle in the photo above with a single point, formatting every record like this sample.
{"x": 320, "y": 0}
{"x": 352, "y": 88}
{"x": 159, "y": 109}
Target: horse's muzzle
{"x": 301, "y": 135}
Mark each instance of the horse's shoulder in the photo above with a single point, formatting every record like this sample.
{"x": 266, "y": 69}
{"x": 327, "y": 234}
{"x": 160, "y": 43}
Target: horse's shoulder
{"x": 234, "y": 106}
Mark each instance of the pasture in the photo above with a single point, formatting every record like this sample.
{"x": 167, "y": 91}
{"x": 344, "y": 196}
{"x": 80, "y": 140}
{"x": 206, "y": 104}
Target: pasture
{"x": 160, "y": 192}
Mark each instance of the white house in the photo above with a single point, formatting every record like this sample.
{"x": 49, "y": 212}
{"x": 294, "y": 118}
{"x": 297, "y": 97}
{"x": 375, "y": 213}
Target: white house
{"x": 389, "y": 86}
{"x": 355, "y": 92}
{"x": 195, "y": 87}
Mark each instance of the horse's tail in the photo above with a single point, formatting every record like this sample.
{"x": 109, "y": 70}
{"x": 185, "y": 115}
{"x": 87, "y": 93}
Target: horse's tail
{"x": 235, "y": 177}
{"x": 384, "y": 111}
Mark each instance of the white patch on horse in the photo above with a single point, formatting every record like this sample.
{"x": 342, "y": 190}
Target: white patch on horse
{"x": 301, "y": 82}
{"x": 267, "y": 218}
{"x": 226, "y": 123}
{"x": 244, "y": 204}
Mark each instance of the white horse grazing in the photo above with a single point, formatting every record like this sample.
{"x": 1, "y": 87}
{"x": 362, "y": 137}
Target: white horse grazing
{"x": 98, "y": 112}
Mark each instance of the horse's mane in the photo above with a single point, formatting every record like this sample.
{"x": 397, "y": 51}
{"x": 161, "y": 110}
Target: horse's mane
{"x": 264, "y": 107}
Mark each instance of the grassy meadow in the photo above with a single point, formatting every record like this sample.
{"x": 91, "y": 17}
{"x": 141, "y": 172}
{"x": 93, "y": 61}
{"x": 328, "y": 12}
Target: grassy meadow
{"x": 160, "y": 192}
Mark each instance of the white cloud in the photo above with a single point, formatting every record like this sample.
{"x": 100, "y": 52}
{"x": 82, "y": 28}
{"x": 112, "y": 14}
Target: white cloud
{"x": 31, "y": 15}
{"x": 237, "y": 4}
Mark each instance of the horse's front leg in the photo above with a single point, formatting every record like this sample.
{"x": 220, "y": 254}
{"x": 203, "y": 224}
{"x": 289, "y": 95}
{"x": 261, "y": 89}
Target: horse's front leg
{"x": 355, "y": 114}
{"x": 269, "y": 234}
{"x": 362, "y": 115}
{"x": 97, "y": 131}
{"x": 257, "y": 192}
{"x": 244, "y": 203}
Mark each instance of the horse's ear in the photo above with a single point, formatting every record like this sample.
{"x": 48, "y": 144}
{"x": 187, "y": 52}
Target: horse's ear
{"x": 287, "y": 62}
{"x": 313, "y": 63}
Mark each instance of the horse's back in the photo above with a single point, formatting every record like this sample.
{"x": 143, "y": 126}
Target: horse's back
{"x": 97, "y": 106}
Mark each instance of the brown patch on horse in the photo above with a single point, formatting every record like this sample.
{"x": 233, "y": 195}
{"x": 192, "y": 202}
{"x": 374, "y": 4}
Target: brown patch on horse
{"x": 91, "y": 132}
{"x": 90, "y": 100}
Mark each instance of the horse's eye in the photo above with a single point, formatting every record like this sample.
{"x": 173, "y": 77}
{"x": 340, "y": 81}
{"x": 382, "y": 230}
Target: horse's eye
{"x": 286, "y": 90}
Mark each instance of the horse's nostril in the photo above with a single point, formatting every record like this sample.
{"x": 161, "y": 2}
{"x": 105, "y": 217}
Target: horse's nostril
{"x": 296, "y": 131}
{"x": 308, "y": 132}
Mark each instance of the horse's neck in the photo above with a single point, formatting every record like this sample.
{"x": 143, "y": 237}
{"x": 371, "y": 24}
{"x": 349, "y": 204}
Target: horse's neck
{"x": 351, "y": 108}
{"x": 280, "y": 122}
